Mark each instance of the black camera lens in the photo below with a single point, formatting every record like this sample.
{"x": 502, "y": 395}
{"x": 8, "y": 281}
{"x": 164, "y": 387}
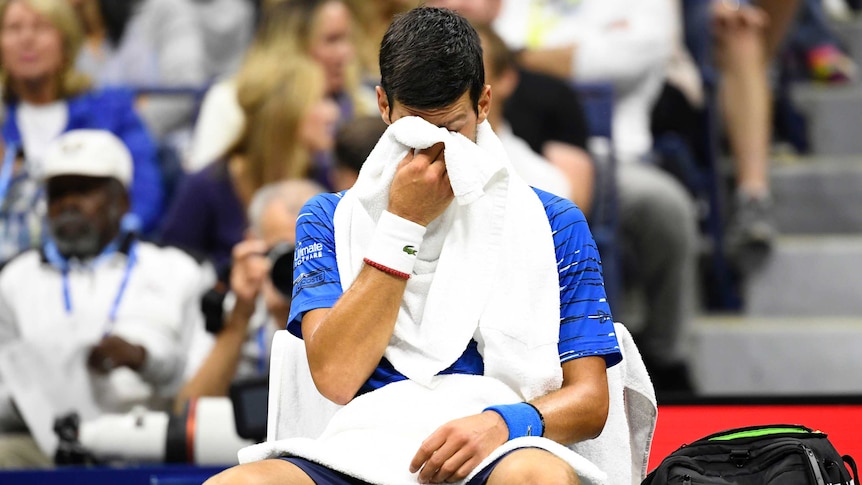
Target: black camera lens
{"x": 281, "y": 274}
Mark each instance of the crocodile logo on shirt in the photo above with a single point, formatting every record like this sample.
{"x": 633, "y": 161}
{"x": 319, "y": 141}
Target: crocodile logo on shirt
{"x": 410, "y": 250}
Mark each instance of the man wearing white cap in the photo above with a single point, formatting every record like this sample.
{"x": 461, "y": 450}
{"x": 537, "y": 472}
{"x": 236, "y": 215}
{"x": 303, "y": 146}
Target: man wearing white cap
{"x": 105, "y": 318}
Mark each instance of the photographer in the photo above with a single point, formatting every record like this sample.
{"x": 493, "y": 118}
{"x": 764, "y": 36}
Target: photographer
{"x": 259, "y": 301}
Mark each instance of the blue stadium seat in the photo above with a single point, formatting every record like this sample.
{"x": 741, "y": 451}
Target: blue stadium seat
{"x": 598, "y": 103}
{"x": 707, "y": 184}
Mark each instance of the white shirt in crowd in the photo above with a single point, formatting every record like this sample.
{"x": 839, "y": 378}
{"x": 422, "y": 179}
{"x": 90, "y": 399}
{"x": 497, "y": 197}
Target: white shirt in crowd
{"x": 625, "y": 42}
{"x": 158, "y": 307}
{"x": 531, "y": 166}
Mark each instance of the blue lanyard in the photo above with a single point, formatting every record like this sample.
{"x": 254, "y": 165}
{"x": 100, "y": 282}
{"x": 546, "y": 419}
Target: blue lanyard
{"x": 54, "y": 256}
{"x": 261, "y": 344}
{"x": 6, "y": 170}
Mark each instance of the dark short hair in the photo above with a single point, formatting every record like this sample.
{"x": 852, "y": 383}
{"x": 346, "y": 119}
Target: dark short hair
{"x": 355, "y": 140}
{"x": 430, "y": 57}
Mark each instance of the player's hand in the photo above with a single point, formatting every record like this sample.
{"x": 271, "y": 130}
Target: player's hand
{"x": 420, "y": 190}
{"x": 457, "y": 447}
{"x": 112, "y": 352}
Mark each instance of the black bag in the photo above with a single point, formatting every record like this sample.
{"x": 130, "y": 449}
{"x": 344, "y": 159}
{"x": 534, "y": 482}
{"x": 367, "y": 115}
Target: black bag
{"x": 758, "y": 455}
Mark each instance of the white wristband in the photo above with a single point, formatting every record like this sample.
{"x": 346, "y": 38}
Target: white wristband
{"x": 396, "y": 242}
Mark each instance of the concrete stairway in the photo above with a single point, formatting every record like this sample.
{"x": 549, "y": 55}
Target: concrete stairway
{"x": 800, "y": 331}
{"x": 809, "y": 276}
{"x": 762, "y": 356}
{"x": 819, "y": 195}
{"x": 829, "y": 110}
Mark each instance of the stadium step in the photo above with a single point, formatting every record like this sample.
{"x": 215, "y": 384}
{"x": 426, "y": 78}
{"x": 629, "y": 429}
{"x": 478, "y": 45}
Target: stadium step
{"x": 800, "y": 328}
{"x": 833, "y": 116}
{"x": 808, "y": 276}
{"x": 818, "y": 195}
{"x": 814, "y": 355}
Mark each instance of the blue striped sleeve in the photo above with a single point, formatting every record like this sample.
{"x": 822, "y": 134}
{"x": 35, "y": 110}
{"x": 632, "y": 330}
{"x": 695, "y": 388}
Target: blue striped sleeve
{"x": 586, "y": 324}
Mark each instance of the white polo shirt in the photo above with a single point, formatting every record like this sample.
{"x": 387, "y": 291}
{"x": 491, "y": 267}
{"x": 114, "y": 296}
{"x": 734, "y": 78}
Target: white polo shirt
{"x": 159, "y": 309}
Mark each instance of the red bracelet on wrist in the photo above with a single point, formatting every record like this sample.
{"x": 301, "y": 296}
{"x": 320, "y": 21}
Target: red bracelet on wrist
{"x": 386, "y": 269}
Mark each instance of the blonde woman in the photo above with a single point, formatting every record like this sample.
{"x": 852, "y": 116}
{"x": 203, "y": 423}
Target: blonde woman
{"x": 319, "y": 29}
{"x": 372, "y": 19}
{"x": 45, "y": 96}
{"x": 289, "y": 119}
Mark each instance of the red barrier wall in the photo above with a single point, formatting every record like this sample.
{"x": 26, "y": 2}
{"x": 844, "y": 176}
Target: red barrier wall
{"x": 684, "y": 423}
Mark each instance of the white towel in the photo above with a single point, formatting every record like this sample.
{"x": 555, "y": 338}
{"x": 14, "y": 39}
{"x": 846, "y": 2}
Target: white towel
{"x": 622, "y": 450}
{"x": 376, "y": 435}
{"x": 486, "y": 268}
{"x": 295, "y": 406}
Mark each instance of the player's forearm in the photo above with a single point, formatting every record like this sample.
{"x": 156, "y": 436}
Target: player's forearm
{"x": 346, "y": 343}
{"x": 579, "y": 409}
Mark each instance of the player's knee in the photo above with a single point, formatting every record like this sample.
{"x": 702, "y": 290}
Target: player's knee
{"x": 234, "y": 476}
{"x": 533, "y": 467}
{"x": 218, "y": 479}
{"x": 264, "y": 472}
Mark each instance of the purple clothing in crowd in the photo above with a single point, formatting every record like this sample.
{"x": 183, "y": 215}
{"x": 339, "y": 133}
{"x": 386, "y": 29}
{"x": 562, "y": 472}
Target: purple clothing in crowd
{"x": 206, "y": 217}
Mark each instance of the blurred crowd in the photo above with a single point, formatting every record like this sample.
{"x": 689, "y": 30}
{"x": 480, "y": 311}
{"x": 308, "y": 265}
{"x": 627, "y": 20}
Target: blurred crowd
{"x": 211, "y": 122}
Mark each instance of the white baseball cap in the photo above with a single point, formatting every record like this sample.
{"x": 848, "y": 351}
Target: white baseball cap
{"x": 93, "y": 153}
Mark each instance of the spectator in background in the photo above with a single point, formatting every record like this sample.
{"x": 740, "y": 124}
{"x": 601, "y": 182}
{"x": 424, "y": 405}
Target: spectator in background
{"x": 543, "y": 111}
{"x": 353, "y": 143}
{"x": 145, "y": 43}
{"x": 289, "y": 119}
{"x": 814, "y": 47}
{"x": 372, "y": 19}
{"x": 261, "y": 300}
{"x": 502, "y": 76}
{"x": 319, "y": 29}
{"x": 108, "y": 318}
{"x": 547, "y": 113}
{"x": 45, "y": 95}
{"x": 228, "y": 27}
{"x": 627, "y": 43}
{"x": 21, "y": 204}
{"x": 745, "y": 39}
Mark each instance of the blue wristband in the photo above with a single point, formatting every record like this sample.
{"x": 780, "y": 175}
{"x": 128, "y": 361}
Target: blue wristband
{"x": 522, "y": 419}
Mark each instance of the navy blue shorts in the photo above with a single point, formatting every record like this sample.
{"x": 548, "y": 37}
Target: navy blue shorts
{"x": 325, "y": 476}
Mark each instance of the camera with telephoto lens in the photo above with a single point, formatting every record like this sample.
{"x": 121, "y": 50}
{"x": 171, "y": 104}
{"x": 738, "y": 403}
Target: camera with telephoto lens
{"x": 202, "y": 434}
{"x": 281, "y": 256}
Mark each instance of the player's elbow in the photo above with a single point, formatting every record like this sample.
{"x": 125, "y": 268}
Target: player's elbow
{"x": 332, "y": 385}
{"x": 338, "y": 397}
{"x": 598, "y": 415}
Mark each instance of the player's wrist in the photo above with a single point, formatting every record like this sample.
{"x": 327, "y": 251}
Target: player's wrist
{"x": 497, "y": 426}
{"x": 521, "y": 419}
{"x": 394, "y": 245}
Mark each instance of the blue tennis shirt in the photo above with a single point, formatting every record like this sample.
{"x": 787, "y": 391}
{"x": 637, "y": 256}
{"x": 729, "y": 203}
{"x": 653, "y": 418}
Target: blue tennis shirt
{"x": 586, "y": 325}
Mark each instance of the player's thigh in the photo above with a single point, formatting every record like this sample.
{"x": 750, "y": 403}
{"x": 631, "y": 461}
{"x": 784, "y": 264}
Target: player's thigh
{"x": 532, "y": 466}
{"x": 264, "y": 472}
